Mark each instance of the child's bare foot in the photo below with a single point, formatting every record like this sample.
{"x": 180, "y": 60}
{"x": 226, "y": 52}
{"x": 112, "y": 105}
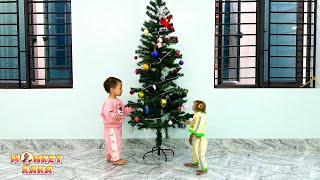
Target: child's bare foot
{"x": 199, "y": 172}
{"x": 190, "y": 165}
{"x": 120, "y": 162}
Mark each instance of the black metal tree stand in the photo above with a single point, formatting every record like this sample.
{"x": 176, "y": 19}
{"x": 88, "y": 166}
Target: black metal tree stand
{"x": 158, "y": 147}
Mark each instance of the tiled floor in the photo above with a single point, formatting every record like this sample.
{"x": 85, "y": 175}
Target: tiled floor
{"x": 227, "y": 159}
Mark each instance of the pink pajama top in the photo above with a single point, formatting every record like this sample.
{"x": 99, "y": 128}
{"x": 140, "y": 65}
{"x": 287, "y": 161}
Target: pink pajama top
{"x": 111, "y": 107}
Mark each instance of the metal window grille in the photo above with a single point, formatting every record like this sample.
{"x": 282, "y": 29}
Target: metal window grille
{"x": 10, "y": 73}
{"x": 45, "y": 35}
{"x": 267, "y": 43}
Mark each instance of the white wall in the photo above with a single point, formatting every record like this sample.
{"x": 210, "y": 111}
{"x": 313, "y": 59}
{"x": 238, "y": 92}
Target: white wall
{"x": 105, "y": 35}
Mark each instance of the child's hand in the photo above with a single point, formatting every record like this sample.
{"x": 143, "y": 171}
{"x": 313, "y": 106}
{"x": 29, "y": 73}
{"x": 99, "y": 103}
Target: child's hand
{"x": 185, "y": 124}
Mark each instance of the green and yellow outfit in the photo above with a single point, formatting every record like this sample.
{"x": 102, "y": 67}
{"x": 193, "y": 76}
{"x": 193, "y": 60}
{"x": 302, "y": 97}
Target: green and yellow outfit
{"x": 199, "y": 147}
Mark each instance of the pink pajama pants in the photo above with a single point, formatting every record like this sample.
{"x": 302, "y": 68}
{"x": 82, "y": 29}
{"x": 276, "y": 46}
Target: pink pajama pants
{"x": 112, "y": 139}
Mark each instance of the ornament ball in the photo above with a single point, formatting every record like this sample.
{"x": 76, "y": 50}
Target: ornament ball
{"x": 145, "y": 67}
{"x": 155, "y": 54}
{"x": 181, "y": 62}
{"x": 185, "y": 107}
{"x": 136, "y": 119}
{"x": 146, "y": 31}
{"x": 146, "y": 109}
{"x": 141, "y": 94}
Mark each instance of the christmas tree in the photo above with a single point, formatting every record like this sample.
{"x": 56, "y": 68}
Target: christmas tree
{"x": 161, "y": 102}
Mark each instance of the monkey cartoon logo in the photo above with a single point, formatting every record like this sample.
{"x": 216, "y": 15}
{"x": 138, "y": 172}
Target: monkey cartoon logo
{"x": 26, "y": 158}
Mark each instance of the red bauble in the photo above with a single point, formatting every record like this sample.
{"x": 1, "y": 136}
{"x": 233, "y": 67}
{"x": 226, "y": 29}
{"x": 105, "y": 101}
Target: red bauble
{"x": 177, "y": 52}
{"x": 177, "y": 40}
{"x": 179, "y": 109}
{"x": 132, "y": 92}
{"x": 135, "y": 57}
{"x": 171, "y": 28}
{"x": 168, "y": 38}
{"x": 137, "y": 119}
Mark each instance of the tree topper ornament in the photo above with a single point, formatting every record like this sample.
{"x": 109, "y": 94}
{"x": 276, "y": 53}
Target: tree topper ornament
{"x": 165, "y": 22}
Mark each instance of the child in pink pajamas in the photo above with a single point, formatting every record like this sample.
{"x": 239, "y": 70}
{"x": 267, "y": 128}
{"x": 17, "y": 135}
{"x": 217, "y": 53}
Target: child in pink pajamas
{"x": 113, "y": 113}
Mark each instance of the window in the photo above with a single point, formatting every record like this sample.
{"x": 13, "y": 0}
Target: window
{"x": 35, "y": 44}
{"x": 268, "y": 43}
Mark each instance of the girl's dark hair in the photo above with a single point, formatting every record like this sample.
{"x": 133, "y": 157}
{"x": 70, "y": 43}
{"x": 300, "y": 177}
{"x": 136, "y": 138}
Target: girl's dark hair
{"x": 111, "y": 82}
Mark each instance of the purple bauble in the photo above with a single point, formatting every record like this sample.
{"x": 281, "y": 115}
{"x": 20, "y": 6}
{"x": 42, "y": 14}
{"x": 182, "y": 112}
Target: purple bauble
{"x": 137, "y": 71}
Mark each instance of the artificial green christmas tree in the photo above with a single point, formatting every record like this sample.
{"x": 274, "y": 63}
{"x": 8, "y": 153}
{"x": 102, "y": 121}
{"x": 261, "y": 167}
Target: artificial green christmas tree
{"x": 161, "y": 102}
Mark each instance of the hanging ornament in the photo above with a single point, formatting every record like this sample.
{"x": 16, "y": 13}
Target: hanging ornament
{"x": 185, "y": 107}
{"x": 146, "y": 31}
{"x": 165, "y": 72}
{"x": 137, "y": 71}
{"x": 163, "y": 102}
{"x": 137, "y": 119}
{"x": 141, "y": 94}
{"x": 181, "y": 125}
{"x": 146, "y": 109}
{"x": 145, "y": 67}
{"x": 177, "y": 52}
{"x": 155, "y": 54}
{"x": 152, "y": 88}
{"x": 162, "y": 78}
{"x": 171, "y": 28}
{"x": 168, "y": 38}
{"x": 170, "y": 122}
{"x": 176, "y": 40}
{"x": 159, "y": 43}
{"x": 132, "y": 92}
{"x": 181, "y": 62}
{"x": 135, "y": 57}
{"x": 179, "y": 109}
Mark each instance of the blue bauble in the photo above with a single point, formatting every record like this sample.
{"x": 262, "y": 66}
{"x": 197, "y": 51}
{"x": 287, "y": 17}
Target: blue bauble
{"x": 181, "y": 62}
{"x": 182, "y": 126}
{"x": 146, "y": 109}
{"x": 155, "y": 54}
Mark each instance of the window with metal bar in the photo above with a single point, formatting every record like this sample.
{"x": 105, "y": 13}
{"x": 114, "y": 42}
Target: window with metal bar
{"x": 35, "y": 44}
{"x": 268, "y": 43}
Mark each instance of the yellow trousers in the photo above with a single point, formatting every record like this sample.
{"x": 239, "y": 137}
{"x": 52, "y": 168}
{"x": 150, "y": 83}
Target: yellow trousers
{"x": 199, "y": 148}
